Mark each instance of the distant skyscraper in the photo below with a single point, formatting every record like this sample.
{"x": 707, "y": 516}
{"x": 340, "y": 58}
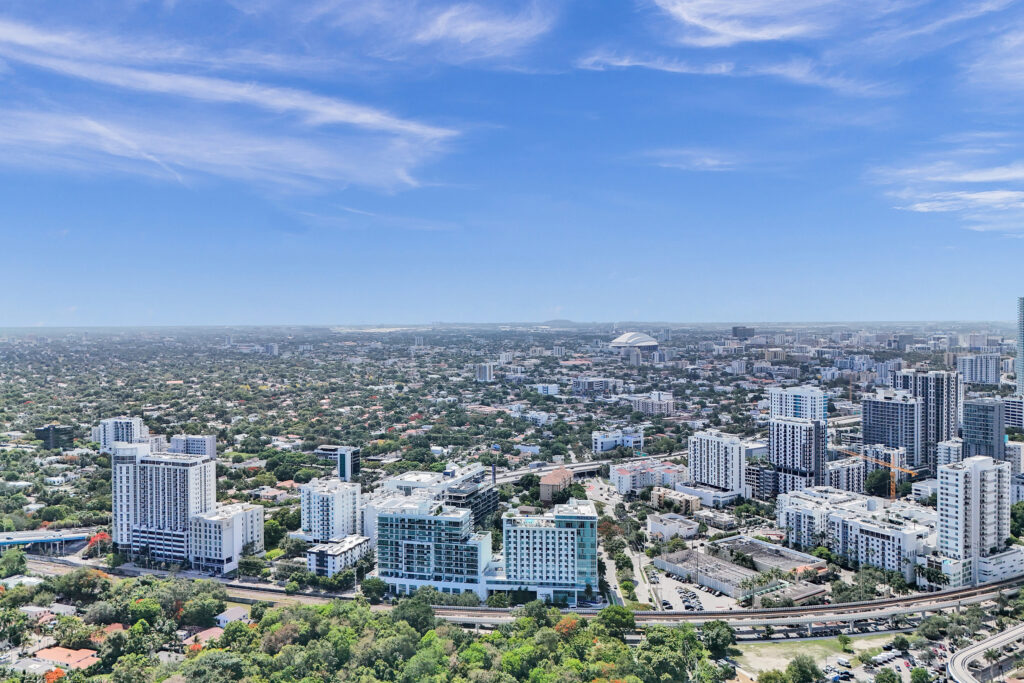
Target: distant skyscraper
{"x": 742, "y": 332}
{"x": 984, "y": 428}
{"x": 119, "y": 430}
{"x": 1019, "y": 361}
{"x": 485, "y": 372}
{"x": 191, "y": 444}
{"x": 796, "y": 447}
{"x": 982, "y": 368}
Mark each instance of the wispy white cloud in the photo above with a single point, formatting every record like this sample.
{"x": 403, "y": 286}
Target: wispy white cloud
{"x": 713, "y": 23}
{"x": 693, "y": 159}
{"x": 449, "y": 32}
{"x": 180, "y": 151}
{"x": 999, "y": 62}
{"x": 799, "y": 71}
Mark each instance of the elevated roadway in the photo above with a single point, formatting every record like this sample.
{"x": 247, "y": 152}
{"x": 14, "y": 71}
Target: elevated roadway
{"x": 959, "y": 667}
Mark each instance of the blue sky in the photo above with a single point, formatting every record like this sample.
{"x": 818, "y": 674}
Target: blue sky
{"x": 372, "y": 161}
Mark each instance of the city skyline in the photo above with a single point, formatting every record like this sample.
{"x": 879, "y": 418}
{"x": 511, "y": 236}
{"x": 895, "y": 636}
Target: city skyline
{"x": 342, "y": 163}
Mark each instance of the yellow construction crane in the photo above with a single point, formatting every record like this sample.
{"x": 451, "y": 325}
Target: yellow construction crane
{"x": 892, "y": 468}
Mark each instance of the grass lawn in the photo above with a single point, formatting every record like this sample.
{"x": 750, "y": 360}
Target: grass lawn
{"x": 761, "y": 656}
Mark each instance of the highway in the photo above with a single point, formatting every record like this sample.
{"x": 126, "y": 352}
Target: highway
{"x": 579, "y": 467}
{"x": 958, "y": 668}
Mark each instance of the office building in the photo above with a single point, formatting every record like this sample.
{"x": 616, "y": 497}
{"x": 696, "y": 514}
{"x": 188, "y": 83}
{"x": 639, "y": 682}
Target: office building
{"x": 796, "y": 449}
{"x": 895, "y": 419}
{"x": 154, "y": 498}
{"x": 346, "y": 457}
{"x": 328, "y": 559}
{"x": 974, "y": 512}
{"x": 717, "y": 459}
{"x": 329, "y": 509}
{"x": 56, "y": 436}
{"x": 984, "y": 430}
{"x": 485, "y": 372}
{"x": 424, "y": 543}
{"x": 982, "y": 368}
{"x": 553, "y": 554}
{"x": 119, "y": 430}
{"x": 942, "y": 395}
{"x": 221, "y": 536}
{"x": 806, "y": 402}
{"x": 191, "y": 444}
{"x": 627, "y": 437}
{"x": 743, "y": 332}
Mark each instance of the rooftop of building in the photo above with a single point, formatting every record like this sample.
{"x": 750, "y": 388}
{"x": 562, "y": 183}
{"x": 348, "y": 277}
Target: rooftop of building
{"x": 633, "y": 340}
{"x": 574, "y": 508}
{"x": 328, "y": 485}
{"x": 336, "y": 547}
{"x": 222, "y": 512}
{"x": 768, "y": 553}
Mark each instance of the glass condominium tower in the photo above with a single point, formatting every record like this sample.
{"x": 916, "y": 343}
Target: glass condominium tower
{"x": 1018, "y": 363}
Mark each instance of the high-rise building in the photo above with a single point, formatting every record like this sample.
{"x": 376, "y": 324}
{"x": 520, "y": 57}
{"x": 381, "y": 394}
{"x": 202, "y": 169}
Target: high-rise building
{"x": 347, "y": 457}
{"x": 485, "y": 372}
{"x": 894, "y": 419}
{"x": 421, "y": 542}
{"x": 974, "y": 520}
{"x": 56, "y": 436}
{"x": 329, "y": 509}
{"x": 796, "y": 447}
{"x": 119, "y": 430}
{"x": 982, "y": 368}
{"x": 155, "y": 496}
{"x": 554, "y": 554}
{"x": 717, "y": 460}
{"x": 222, "y": 535}
{"x": 743, "y": 332}
{"x": 948, "y": 452}
{"x": 1019, "y": 360}
{"x": 984, "y": 431}
{"x": 191, "y": 444}
{"x": 942, "y": 394}
{"x": 806, "y": 402}
{"x": 847, "y": 474}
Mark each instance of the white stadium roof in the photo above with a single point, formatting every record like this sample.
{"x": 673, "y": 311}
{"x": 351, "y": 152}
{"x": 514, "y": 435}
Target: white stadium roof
{"x": 634, "y": 340}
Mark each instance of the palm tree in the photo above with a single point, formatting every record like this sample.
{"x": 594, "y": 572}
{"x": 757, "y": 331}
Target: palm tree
{"x": 992, "y": 655}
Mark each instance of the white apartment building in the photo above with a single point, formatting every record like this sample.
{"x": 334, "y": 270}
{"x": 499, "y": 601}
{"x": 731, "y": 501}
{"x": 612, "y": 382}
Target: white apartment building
{"x": 897, "y": 457}
{"x": 191, "y": 444}
{"x": 982, "y": 368}
{"x": 671, "y": 525}
{"x": 847, "y": 474}
{"x": 119, "y": 430}
{"x": 330, "y": 510}
{"x": 796, "y": 447}
{"x": 220, "y": 537}
{"x": 635, "y": 477}
{"x": 655, "y": 403}
{"x": 895, "y": 419}
{"x": 626, "y": 437}
{"x": 806, "y": 402}
{"x": 859, "y": 528}
{"x": 949, "y": 452}
{"x": 554, "y": 554}
{"x": 546, "y": 389}
{"x": 155, "y": 496}
{"x": 717, "y": 459}
{"x": 327, "y": 559}
{"x": 974, "y": 512}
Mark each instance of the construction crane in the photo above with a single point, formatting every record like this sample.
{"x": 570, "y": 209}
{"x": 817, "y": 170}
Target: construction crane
{"x": 892, "y": 468}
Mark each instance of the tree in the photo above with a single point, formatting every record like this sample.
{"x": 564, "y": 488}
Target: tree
{"x": 374, "y": 589}
{"x": 844, "y": 642}
{"x": 146, "y": 609}
{"x": 772, "y": 676}
{"x": 416, "y": 612}
{"x": 617, "y": 620}
{"x": 877, "y": 483}
{"x": 803, "y": 669}
{"x": 992, "y": 655}
{"x": 887, "y": 675}
{"x": 133, "y": 669}
{"x": 70, "y": 632}
{"x": 12, "y": 562}
{"x": 273, "y": 532}
{"x": 717, "y": 636}
{"x": 497, "y": 600}
{"x": 919, "y": 675}
{"x": 201, "y": 611}
{"x": 214, "y": 666}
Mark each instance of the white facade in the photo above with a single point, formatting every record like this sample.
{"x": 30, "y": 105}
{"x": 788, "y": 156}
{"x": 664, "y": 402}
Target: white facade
{"x": 485, "y": 372}
{"x": 190, "y": 444}
{"x": 847, "y": 474}
{"x": 948, "y": 452}
{"x": 330, "y": 509}
{"x": 221, "y": 536}
{"x": 979, "y": 369}
{"x": 974, "y": 512}
{"x": 546, "y": 389}
{"x": 809, "y": 403}
{"x": 655, "y": 403}
{"x": 119, "y": 430}
{"x": 637, "y": 476}
{"x": 796, "y": 447}
{"x": 327, "y": 559}
{"x": 626, "y": 437}
{"x": 155, "y": 496}
{"x": 671, "y": 525}
{"x": 717, "y": 460}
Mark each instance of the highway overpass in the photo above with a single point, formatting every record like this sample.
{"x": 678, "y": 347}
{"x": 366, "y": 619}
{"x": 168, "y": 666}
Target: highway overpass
{"x": 579, "y": 468}
{"x": 959, "y": 667}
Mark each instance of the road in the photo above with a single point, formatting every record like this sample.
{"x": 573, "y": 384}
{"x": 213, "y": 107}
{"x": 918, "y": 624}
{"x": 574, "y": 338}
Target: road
{"x": 959, "y": 666}
{"x": 579, "y": 467}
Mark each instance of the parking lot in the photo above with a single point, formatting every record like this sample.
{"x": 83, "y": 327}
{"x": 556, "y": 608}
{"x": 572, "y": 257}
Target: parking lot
{"x": 668, "y": 588}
